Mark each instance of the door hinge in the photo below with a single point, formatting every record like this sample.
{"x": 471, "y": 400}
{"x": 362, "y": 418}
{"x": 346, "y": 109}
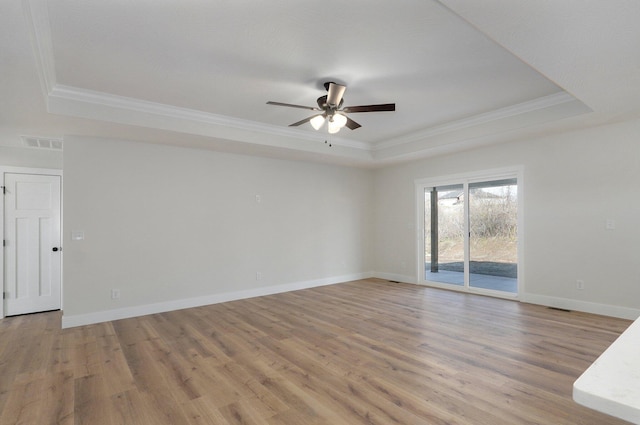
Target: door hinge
{"x": 4, "y": 190}
{"x": 4, "y": 242}
{"x": 4, "y": 295}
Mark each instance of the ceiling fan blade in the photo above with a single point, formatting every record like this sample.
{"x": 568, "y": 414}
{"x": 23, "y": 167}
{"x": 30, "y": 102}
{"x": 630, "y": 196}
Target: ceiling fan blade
{"x": 306, "y": 120}
{"x": 311, "y": 108}
{"x": 334, "y": 95}
{"x": 351, "y": 124}
{"x": 371, "y": 108}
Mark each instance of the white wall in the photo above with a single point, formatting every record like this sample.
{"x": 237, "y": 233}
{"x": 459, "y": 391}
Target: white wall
{"x": 30, "y": 157}
{"x": 572, "y": 184}
{"x": 165, "y": 224}
{"x": 173, "y": 227}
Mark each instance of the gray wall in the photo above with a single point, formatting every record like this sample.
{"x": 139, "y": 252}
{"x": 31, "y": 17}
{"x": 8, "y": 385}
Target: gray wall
{"x": 572, "y": 183}
{"x": 165, "y": 223}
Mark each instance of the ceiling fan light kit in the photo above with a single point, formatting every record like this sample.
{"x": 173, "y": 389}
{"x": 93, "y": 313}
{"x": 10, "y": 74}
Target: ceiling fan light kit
{"x": 332, "y": 111}
{"x": 336, "y": 122}
{"x": 332, "y": 129}
{"x": 317, "y": 121}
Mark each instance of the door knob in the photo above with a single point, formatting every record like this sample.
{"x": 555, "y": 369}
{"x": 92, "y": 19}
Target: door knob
{"x": 55, "y": 248}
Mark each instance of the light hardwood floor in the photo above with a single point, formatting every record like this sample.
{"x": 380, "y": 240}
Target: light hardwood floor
{"x": 365, "y": 352}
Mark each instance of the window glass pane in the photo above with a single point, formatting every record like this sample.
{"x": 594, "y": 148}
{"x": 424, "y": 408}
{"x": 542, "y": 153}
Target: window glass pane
{"x": 444, "y": 234}
{"x": 493, "y": 235}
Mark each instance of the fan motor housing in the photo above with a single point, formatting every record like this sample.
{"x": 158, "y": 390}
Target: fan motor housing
{"x": 322, "y": 103}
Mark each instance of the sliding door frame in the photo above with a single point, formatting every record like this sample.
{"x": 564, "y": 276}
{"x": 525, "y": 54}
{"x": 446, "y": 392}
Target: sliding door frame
{"x": 465, "y": 179}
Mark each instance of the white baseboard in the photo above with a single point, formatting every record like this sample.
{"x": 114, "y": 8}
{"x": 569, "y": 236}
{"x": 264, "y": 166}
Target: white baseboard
{"x": 142, "y": 310}
{"x": 395, "y": 277}
{"x": 548, "y": 301}
{"x": 584, "y": 306}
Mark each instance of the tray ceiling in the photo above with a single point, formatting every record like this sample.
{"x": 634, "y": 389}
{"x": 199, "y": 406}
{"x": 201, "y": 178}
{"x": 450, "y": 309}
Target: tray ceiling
{"x": 202, "y": 72}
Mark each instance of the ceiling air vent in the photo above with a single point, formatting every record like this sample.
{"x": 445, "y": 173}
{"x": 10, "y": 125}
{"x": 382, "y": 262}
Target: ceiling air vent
{"x": 42, "y": 143}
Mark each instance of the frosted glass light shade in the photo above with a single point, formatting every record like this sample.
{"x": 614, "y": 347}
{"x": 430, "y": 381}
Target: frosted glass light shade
{"x": 336, "y": 122}
{"x": 340, "y": 120}
{"x": 317, "y": 121}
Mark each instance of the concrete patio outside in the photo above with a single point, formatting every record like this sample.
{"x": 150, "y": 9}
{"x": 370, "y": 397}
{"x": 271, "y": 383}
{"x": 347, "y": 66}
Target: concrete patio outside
{"x": 486, "y": 275}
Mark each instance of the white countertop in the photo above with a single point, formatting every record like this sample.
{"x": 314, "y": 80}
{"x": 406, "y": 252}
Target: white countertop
{"x": 612, "y": 383}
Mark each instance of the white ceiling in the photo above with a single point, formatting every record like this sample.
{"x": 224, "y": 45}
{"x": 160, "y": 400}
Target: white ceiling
{"x": 462, "y": 73}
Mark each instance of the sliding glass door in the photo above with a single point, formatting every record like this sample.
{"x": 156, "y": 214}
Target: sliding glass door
{"x": 444, "y": 223}
{"x": 493, "y": 235}
{"x": 469, "y": 234}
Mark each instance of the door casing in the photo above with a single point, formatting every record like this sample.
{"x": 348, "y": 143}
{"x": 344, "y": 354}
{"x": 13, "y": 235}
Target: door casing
{"x": 37, "y": 171}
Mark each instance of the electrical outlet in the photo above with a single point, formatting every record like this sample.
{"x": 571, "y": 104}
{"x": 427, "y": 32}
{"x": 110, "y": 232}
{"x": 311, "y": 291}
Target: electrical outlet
{"x": 258, "y": 276}
{"x": 580, "y": 284}
{"x": 115, "y": 294}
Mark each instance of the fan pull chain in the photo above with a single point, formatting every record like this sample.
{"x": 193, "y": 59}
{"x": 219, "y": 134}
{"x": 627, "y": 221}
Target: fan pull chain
{"x": 328, "y": 142}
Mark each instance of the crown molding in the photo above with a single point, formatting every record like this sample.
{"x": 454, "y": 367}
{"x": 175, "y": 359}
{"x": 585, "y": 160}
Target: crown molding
{"x": 186, "y": 116}
{"x": 85, "y": 103}
{"x": 76, "y": 101}
{"x": 495, "y": 115}
{"x": 37, "y": 19}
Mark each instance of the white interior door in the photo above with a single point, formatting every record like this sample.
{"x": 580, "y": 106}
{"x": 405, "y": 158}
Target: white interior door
{"x": 32, "y": 243}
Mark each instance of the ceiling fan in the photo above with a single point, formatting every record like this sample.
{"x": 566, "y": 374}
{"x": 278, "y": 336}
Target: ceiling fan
{"x": 331, "y": 110}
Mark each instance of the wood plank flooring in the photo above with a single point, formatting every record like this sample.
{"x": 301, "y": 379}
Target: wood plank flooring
{"x": 365, "y": 352}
